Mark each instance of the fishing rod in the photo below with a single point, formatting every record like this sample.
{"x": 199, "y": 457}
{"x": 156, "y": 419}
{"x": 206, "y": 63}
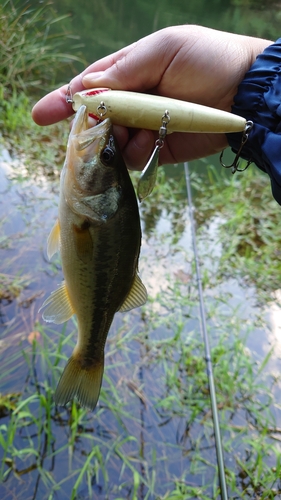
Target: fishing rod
{"x": 218, "y": 442}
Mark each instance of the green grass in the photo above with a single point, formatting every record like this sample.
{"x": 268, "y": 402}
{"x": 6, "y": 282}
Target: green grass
{"x": 42, "y": 149}
{"x": 248, "y": 232}
{"x": 31, "y": 60}
{"x": 154, "y": 416}
{"x": 31, "y": 51}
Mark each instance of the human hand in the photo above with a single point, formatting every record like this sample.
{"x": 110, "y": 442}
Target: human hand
{"x": 187, "y": 62}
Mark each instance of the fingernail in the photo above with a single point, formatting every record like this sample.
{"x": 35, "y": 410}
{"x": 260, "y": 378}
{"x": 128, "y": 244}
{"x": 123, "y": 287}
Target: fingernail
{"x": 92, "y": 77}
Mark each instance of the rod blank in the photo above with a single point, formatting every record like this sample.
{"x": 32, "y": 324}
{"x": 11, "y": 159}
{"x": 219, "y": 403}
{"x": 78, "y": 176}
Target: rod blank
{"x": 218, "y": 442}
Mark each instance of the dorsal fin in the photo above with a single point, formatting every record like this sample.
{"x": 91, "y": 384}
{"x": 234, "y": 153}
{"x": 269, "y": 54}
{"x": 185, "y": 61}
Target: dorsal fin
{"x": 137, "y": 296}
{"x": 59, "y": 308}
{"x": 53, "y": 243}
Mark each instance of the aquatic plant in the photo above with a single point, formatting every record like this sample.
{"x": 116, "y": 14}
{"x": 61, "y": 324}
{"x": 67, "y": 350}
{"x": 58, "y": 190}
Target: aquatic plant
{"x": 151, "y": 435}
{"x": 248, "y": 225}
{"x": 146, "y": 439}
{"x": 12, "y": 286}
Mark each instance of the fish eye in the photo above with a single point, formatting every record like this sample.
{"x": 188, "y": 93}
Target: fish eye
{"x": 107, "y": 156}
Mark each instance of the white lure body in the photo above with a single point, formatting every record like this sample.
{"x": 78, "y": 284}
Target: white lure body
{"x": 136, "y": 110}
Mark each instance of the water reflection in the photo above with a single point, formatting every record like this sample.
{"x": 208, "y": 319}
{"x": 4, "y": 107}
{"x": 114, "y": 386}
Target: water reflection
{"x": 28, "y": 208}
{"x": 26, "y": 213}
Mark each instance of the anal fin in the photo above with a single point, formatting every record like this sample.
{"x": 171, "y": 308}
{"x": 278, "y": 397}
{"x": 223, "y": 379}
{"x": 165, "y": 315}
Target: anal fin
{"x": 137, "y": 296}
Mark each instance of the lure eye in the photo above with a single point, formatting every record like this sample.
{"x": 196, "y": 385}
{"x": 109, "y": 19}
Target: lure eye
{"x": 107, "y": 156}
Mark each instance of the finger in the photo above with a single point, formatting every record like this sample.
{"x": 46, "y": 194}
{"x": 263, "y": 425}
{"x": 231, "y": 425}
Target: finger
{"x": 131, "y": 68}
{"x": 121, "y": 134}
{"x": 138, "y": 149}
{"x": 53, "y": 107}
{"x": 179, "y": 147}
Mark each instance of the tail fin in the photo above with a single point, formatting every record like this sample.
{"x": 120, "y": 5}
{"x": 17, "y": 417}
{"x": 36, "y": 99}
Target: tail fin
{"x": 84, "y": 383}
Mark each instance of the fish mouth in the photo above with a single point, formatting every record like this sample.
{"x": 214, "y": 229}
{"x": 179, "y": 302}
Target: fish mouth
{"x": 83, "y": 136}
{"x": 88, "y": 141}
{"x": 85, "y": 168}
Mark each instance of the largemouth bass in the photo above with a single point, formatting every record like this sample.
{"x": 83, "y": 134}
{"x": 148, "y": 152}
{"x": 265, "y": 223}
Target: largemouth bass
{"x": 98, "y": 234}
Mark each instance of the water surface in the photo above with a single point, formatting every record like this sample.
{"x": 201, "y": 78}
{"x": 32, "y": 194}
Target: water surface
{"x": 146, "y": 429}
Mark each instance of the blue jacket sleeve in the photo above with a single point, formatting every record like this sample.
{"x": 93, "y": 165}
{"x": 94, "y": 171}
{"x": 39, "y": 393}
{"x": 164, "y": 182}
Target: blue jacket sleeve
{"x": 259, "y": 99}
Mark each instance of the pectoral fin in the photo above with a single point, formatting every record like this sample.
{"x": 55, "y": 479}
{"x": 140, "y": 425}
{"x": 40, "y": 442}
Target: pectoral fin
{"x": 53, "y": 243}
{"x": 58, "y": 306}
{"x": 137, "y": 296}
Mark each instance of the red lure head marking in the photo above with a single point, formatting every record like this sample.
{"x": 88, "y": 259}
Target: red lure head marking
{"x": 95, "y": 91}
{"x": 87, "y": 93}
{"x": 95, "y": 117}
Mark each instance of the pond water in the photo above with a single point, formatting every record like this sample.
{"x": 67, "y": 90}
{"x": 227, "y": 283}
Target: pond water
{"x": 151, "y": 434}
{"x": 142, "y": 425}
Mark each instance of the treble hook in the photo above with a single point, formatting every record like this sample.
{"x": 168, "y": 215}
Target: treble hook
{"x": 234, "y": 165}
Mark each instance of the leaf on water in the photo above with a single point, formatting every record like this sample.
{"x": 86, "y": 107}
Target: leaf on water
{"x": 138, "y": 392}
{"x": 183, "y": 276}
{"x": 33, "y": 336}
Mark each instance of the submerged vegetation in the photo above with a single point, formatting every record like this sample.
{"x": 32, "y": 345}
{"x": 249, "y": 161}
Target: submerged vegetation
{"x": 151, "y": 436}
{"x": 249, "y": 229}
{"x": 146, "y": 439}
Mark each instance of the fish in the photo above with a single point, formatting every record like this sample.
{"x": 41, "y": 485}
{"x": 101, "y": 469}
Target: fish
{"x": 98, "y": 235}
{"x": 140, "y": 110}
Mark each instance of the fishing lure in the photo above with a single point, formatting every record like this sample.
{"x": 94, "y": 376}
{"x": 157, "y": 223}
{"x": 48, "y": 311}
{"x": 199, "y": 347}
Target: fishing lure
{"x": 137, "y": 110}
{"x": 133, "y": 109}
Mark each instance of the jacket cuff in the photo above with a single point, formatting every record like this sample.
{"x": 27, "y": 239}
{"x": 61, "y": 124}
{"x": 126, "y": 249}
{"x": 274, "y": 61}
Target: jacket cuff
{"x": 259, "y": 99}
